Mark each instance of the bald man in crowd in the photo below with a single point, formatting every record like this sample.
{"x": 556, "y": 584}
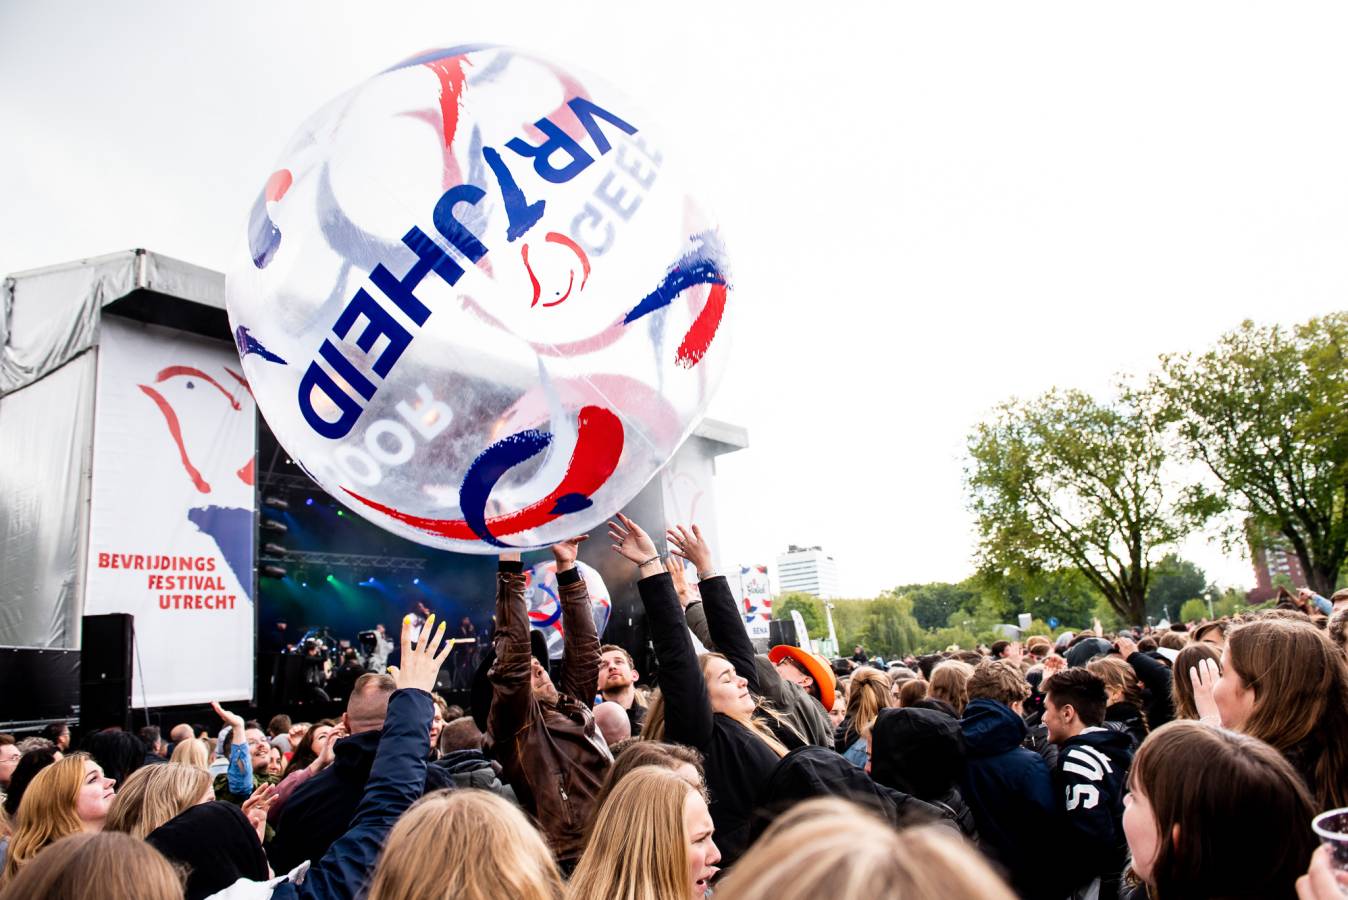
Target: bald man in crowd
{"x": 320, "y": 810}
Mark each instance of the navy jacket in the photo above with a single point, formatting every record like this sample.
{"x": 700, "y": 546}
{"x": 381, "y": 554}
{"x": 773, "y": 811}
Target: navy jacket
{"x": 319, "y": 811}
{"x": 396, "y": 779}
{"x": 1010, "y": 790}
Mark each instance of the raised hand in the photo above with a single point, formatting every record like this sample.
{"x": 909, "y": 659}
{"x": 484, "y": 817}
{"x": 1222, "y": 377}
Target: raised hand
{"x": 1126, "y": 646}
{"x": 1052, "y": 666}
{"x": 675, "y": 569}
{"x": 691, "y": 546}
{"x": 631, "y": 542}
{"x": 233, "y": 720}
{"x": 420, "y": 665}
{"x": 1203, "y": 678}
{"x": 565, "y": 552}
{"x": 326, "y": 756}
{"x": 256, "y": 806}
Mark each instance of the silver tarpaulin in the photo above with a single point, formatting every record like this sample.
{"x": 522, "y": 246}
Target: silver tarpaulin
{"x": 49, "y": 332}
{"x": 46, "y": 435}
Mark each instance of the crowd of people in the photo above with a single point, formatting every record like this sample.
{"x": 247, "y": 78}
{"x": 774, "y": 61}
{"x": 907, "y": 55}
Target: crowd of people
{"x": 1145, "y": 764}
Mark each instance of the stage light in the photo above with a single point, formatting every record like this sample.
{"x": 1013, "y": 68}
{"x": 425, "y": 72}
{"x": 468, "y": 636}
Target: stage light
{"x": 276, "y": 503}
{"x": 331, "y": 577}
{"x": 273, "y": 525}
{"x": 340, "y": 513}
{"x": 416, "y": 581}
{"x": 273, "y": 550}
{"x": 304, "y": 584}
{"x": 273, "y": 571}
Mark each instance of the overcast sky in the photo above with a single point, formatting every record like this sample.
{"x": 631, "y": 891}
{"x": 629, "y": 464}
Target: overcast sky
{"x": 929, "y": 207}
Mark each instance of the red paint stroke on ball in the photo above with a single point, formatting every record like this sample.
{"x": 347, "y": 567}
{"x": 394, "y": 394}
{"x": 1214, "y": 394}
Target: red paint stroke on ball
{"x": 277, "y": 185}
{"x": 599, "y": 446}
{"x": 703, "y": 329}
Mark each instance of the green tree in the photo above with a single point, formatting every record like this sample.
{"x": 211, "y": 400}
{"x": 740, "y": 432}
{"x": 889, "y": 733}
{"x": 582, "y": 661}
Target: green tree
{"x": 1193, "y": 610}
{"x": 1174, "y": 581}
{"x": 891, "y": 630}
{"x": 809, "y": 607}
{"x": 933, "y": 603}
{"x": 1066, "y": 481}
{"x": 1062, "y": 594}
{"x": 1266, "y": 411}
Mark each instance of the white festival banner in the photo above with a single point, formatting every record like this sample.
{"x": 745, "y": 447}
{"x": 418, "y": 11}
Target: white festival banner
{"x": 171, "y": 533}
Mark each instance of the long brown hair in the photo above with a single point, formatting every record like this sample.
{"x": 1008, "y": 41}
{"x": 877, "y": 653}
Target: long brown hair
{"x": 828, "y": 847}
{"x": 152, "y": 795}
{"x": 1181, "y": 688}
{"x": 47, "y": 811}
{"x": 465, "y": 845}
{"x": 1224, "y": 790}
{"x": 1300, "y": 685}
{"x": 869, "y": 694}
{"x": 305, "y": 752}
{"x": 653, "y": 726}
{"x": 1116, "y": 673}
{"x": 950, "y": 682}
{"x": 638, "y": 848}
{"x": 110, "y": 865}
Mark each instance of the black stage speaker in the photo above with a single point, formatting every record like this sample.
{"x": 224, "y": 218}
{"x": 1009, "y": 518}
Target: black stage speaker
{"x": 105, "y": 671}
{"x": 781, "y": 631}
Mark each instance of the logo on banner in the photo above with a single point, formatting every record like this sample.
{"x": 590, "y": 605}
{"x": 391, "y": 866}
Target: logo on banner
{"x": 187, "y": 395}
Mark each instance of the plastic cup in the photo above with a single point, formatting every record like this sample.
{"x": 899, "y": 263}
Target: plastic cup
{"x": 1332, "y": 829}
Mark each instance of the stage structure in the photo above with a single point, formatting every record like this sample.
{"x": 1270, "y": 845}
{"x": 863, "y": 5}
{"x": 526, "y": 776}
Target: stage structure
{"x": 130, "y": 484}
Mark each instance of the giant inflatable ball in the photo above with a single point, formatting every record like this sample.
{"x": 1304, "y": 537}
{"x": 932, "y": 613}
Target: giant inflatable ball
{"x": 476, "y": 302}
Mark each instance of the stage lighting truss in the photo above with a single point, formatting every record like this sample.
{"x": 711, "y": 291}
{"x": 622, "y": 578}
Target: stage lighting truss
{"x": 358, "y": 561}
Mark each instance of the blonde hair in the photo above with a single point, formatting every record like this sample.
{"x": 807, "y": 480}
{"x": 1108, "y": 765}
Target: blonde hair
{"x": 638, "y": 846}
{"x": 870, "y": 693}
{"x": 152, "y": 795}
{"x": 1116, "y": 673}
{"x": 113, "y": 866}
{"x": 950, "y": 682}
{"x": 828, "y": 847}
{"x": 465, "y": 845}
{"x": 47, "y": 811}
{"x": 653, "y": 726}
{"x": 192, "y": 752}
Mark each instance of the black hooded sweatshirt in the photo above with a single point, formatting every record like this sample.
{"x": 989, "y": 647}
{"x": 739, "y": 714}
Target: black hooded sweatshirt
{"x": 921, "y": 752}
{"x": 1090, "y": 780}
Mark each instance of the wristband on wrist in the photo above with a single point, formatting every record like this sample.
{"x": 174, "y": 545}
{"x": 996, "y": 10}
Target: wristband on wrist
{"x": 655, "y": 558}
{"x": 703, "y": 576}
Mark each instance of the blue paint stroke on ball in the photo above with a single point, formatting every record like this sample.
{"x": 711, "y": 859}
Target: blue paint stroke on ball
{"x": 489, "y": 467}
{"x": 704, "y": 264}
{"x": 248, "y": 344}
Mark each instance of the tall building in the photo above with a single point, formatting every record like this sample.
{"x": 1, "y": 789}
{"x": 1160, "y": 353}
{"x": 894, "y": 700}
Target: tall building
{"x": 807, "y": 570}
{"x": 1272, "y": 556}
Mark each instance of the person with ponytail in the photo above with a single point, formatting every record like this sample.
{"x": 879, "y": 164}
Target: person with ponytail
{"x": 870, "y": 693}
{"x": 708, "y": 703}
{"x": 1125, "y": 709}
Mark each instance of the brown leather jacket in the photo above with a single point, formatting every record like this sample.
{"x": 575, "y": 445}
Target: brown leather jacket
{"x": 550, "y": 753}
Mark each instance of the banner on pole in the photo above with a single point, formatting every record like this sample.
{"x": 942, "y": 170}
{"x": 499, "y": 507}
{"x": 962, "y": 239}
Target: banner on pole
{"x": 171, "y": 526}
